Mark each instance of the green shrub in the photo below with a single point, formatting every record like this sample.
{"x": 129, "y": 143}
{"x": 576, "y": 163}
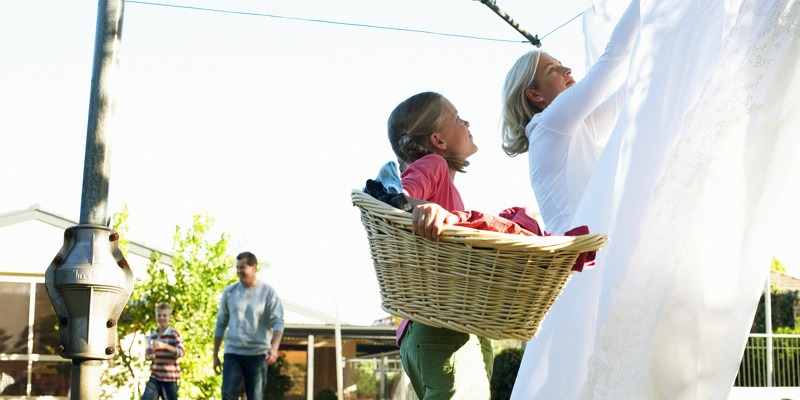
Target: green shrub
{"x": 325, "y": 394}
{"x": 367, "y": 385}
{"x": 277, "y": 382}
{"x": 506, "y": 366}
{"x": 785, "y": 310}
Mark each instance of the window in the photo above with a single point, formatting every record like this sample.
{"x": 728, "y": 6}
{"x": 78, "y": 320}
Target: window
{"x": 14, "y": 325}
{"x": 50, "y": 378}
{"x": 29, "y": 362}
{"x": 45, "y": 330}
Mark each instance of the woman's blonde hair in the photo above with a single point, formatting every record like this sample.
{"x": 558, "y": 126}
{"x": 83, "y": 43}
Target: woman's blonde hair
{"x": 517, "y": 109}
{"x": 410, "y": 124}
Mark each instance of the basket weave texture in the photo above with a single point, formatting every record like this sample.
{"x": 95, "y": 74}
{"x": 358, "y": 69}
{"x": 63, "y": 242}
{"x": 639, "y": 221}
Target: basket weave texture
{"x": 492, "y": 284}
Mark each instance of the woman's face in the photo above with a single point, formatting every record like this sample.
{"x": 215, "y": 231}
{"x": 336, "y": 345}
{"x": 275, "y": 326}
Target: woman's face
{"x": 552, "y": 78}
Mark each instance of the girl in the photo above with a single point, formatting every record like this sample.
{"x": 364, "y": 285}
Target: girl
{"x": 432, "y": 144}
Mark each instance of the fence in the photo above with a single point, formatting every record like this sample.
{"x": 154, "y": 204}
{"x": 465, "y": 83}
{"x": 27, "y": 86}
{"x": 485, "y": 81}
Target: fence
{"x": 754, "y": 370}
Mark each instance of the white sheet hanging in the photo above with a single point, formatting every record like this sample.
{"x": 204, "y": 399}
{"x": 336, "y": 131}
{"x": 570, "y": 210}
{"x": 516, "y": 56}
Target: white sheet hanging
{"x": 690, "y": 189}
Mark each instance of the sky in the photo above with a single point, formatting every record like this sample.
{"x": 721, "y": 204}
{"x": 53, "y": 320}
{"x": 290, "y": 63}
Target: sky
{"x": 266, "y": 124}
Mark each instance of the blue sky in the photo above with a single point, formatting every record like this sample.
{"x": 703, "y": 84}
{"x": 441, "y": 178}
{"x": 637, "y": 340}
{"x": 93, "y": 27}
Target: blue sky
{"x": 264, "y": 123}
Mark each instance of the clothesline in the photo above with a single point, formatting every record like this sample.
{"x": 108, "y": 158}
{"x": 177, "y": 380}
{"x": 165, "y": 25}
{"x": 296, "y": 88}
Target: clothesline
{"x": 533, "y": 39}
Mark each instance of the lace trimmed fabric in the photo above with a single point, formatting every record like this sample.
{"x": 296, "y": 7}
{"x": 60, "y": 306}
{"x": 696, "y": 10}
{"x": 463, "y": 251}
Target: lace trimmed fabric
{"x": 679, "y": 321}
{"x": 692, "y": 189}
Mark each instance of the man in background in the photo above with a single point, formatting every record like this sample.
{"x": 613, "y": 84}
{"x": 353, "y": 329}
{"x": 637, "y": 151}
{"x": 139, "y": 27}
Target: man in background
{"x": 252, "y": 313}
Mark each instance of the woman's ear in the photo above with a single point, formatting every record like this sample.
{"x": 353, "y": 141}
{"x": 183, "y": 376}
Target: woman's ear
{"x": 437, "y": 142}
{"x": 534, "y": 97}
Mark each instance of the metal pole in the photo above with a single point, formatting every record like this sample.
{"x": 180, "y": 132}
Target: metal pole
{"x": 86, "y": 379}
{"x": 310, "y": 369}
{"x": 89, "y": 281}
{"x": 768, "y": 325}
{"x": 534, "y": 40}
{"x": 384, "y": 378}
{"x": 96, "y": 165}
{"x": 94, "y": 198}
{"x": 339, "y": 364}
{"x": 337, "y": 338}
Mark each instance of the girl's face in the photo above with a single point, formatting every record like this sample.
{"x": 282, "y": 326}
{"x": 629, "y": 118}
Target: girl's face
{"x": 552, "y": 78}
{"x": 455, "y": 139}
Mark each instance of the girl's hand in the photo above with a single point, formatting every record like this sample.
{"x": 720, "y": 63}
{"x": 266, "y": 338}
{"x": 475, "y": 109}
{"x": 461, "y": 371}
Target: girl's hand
{"x": 428, "y": 219}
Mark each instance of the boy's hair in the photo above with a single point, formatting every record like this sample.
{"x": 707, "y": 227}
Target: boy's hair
{"x": 249, "y": 258}
{"x": 163, "y": 306}
{"x": 410, "y": 124}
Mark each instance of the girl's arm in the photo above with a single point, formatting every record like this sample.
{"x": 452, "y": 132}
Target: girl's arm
{"x": 576, "y": 103}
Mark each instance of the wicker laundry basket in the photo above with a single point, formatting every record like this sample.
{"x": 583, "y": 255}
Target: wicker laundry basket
{"x": 488, "y": 283}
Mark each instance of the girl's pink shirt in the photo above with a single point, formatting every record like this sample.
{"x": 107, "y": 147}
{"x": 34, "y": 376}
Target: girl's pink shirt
{"x": 429, "y": 179}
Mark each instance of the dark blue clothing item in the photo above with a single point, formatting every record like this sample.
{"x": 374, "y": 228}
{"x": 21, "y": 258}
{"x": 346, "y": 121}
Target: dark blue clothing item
{"x": 388, "y": 187}
{"x": 155, "y": 389}
{"x": 378, "y": 191}
{"x": 253, "y": 369}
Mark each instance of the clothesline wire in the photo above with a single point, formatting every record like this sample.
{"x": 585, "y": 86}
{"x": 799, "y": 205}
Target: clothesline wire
{"x": 561, "y": 26}
{"x": 322, "y": 21}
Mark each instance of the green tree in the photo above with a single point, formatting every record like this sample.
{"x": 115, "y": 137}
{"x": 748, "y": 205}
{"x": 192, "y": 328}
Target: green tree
{"x": 776, "y": 265}
{"x": 200, "y": 270}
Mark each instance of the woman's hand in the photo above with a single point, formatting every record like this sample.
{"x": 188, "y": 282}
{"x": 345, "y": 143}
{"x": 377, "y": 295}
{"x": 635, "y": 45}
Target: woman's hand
{"x": 428, "y": 219}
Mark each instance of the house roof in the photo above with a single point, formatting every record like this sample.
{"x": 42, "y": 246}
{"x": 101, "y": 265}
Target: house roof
{"x": 35, "y": 213}
{"x": 782, "y": 281}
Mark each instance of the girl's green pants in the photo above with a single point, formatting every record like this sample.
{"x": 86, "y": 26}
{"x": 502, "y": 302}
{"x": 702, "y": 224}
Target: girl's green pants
{"x": 445, "y": 364}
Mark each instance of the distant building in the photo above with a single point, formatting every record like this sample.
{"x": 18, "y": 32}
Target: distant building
{"x": 782, "y": 281}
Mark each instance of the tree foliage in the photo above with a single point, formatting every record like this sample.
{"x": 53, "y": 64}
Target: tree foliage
{"x": 192, "y": 284}
{"x": 278, "y": 383}
{"x": 777, "y": 265}
{"x": 785, "y": 309}
{"x": 325, "y": 394}
{"x": 504, "y": 373}
{"x": 367, "y": 384}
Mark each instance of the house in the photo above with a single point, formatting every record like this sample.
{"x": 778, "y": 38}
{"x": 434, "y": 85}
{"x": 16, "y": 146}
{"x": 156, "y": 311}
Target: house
{"x": 782, "y": 281}
{"x": 30, "y": 366}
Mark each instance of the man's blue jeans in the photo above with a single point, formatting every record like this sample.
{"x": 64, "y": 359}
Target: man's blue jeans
{"x": 253, "y": 369}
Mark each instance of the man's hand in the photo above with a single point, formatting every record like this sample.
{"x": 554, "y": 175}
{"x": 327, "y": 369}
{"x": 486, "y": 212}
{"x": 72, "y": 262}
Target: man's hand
{"x": 272, "y": 356}
{"x": 217, "y": 365}
{"x": 428, "y": 219}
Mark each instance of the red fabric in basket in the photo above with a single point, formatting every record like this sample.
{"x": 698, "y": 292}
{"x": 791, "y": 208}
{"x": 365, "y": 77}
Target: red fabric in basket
{"x": 517, "y": 221}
